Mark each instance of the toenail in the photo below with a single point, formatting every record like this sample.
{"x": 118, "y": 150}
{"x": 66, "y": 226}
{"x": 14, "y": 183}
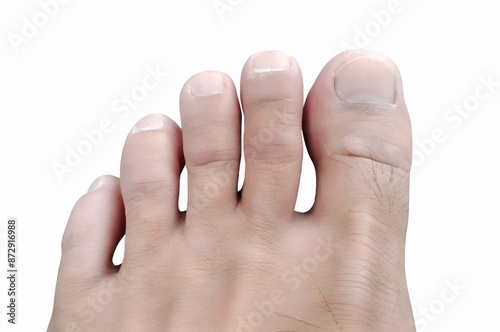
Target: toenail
{"x": 150, "y": 122}
{"x": 206, "y": 84}
{"x": 99, "y": 183}
{"x": 366, "y": 80}
{"x": 270, "y": 61}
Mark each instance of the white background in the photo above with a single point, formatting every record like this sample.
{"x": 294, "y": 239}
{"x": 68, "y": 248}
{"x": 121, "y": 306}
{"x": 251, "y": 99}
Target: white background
{"x": 64, "y": 79}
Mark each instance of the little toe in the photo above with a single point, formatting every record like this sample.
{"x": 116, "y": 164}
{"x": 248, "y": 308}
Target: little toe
{"x": 96, "y": 225}
{"x": 272, "y": 100}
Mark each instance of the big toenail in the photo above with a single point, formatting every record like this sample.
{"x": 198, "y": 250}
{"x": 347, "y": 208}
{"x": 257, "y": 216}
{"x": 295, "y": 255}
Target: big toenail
{"x": 150, "y": 122}
{"x": 98, "y": 183}
{"x": 206, "y": 84}
{"x": 270, "y": 61}
{"x": 367, "y": 80}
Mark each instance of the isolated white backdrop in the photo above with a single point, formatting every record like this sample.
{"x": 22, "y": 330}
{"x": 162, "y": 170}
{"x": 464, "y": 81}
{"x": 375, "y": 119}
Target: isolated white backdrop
{"x": 65, "y": 76}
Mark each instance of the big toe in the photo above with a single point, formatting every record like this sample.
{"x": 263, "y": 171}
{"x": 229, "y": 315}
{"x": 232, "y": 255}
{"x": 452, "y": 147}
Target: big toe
{"x": 358, "y": 133}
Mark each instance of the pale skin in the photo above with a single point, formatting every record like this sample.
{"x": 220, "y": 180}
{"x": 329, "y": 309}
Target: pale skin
{"x": 245, "y": 260}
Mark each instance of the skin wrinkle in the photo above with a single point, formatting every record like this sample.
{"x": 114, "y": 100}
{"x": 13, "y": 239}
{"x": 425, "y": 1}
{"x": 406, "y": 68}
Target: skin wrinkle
{"x": 296, "y": 319}
{"x": 147, "y": 190}
{"x": 346, "y": 151}
{"x": 363, "y": 288}
{"x": 376, "y": 180}
{"x": 368, "y": 109}
{"x": 369, "y": 221}
{"x": 327, "y": 305}
{"x": 376, "y": 250}
{"x": 275, "y": 105}
{"x": 214, "y": 159}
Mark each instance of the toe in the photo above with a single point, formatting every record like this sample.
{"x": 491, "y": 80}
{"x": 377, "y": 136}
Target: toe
{"x": 358, "y": 133}
{"x": 211, "y": 130}
{"x": 272, "y": 100}
{"x": 150, "y": 169}
{"x": 95, "y": 227}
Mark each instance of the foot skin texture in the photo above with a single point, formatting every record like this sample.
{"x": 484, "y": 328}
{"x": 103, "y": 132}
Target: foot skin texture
{"x": 245, "y": 261}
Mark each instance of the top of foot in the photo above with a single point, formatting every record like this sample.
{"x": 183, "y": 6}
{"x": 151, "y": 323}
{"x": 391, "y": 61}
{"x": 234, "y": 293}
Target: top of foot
{"x": 246, "y": 261}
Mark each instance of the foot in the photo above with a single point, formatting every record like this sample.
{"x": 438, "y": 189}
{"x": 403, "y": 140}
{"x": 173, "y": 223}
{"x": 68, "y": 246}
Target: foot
{"x": 246, "y": 261}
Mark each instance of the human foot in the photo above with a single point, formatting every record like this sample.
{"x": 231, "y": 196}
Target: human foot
{"x": 246, "y": 261}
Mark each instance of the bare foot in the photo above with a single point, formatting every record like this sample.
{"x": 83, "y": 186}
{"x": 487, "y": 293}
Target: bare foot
{"x": 247, "y": 261}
